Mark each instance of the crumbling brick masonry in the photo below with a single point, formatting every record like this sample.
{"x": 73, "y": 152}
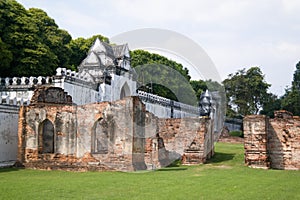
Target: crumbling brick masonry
{"x": 55, "y": 134}
{"x": 272, "y": 143}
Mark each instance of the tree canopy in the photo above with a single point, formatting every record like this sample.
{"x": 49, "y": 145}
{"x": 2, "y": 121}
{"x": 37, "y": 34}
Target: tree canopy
{"x": 246, "y": 92}
{"x": 141, "y": 57}
{"x": 291, "y": 99}
{"x": 33, "y": 41}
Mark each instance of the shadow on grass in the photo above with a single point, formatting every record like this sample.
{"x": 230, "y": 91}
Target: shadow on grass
{"x": 221, "y": 157}
{"x": 172, "y": 169}
{"x": 8, "y": 169}
{"x": 174, "y": 166}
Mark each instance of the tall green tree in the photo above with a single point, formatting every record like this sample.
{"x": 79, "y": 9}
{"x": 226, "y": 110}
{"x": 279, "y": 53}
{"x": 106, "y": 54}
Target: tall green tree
{"x": 291, "y": 99}
{"x": 141, "y": 57}
{"x": 271, "y": 104}
{"x": 6, "y": 57}
{"x": 199, "y": 87}
{"x": 48, "y": 31}
{"x": 158, "y": 68}
{"x": 162, "y": 80}
{"x": 246, "y": 92}
{"x": 35, "y": 42}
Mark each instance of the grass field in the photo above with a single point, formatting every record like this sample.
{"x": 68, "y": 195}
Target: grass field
{"x": 224, "y": 177}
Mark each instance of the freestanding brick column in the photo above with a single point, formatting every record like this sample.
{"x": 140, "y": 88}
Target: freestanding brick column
{"x": 255, "y": 141}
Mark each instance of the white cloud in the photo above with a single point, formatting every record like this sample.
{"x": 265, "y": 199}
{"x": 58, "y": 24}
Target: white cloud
{"x": 291, "y": 7}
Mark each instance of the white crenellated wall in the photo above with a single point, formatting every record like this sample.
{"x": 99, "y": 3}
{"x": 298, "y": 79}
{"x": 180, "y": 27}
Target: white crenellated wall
{"x": 162, "y": 107}
{"x": 81, "y": 91}
{"x": 18, "y": 91}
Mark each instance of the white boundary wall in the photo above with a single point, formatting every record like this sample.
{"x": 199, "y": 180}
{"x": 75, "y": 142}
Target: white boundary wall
{"x": 8, "y": 134}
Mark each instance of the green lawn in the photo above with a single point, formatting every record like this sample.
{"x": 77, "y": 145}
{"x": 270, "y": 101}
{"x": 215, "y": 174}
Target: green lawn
{"x": 224, "y": 177}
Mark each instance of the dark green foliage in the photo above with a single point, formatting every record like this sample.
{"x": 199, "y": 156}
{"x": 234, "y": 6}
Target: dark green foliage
{"x": 53, "y": 37}
{"x": 272, "y": 104}
{"x": 199, "y": 87}
{"x": 165, "y": 81}
{"x": 236, "y": 133}
{"x": 291, "y": 99}
{"x": 6, "y": 57}
{"x": 246, "y": 92}
{"x": 141, "y": 57}
{"x": 164, "y": 77}
{"x": 34, "y": 41}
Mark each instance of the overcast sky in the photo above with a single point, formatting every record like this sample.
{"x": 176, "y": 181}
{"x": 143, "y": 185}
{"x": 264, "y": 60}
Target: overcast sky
{"x": 236, "y": 34}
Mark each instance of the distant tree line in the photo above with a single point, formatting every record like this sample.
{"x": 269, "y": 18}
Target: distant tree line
{"x": 247, "y": 93}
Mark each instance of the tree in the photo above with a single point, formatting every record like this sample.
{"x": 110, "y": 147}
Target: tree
{"x": 199, "y": 87}
{"x": 291, "y": 99}
{"x": 168, "y": 78}
{"x": 6, "y": 58}
{"x": 56, "y": 39}
{"x": 32, "y": 39}
{"x": 272, "y": 104}
{"x": 246, "y": 92}
{"x": 141, "y": 57}
{"x": 164, "y": 81}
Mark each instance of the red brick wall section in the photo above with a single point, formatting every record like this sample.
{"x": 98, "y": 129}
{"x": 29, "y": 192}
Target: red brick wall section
{"x": 255, "y": 141}
{"x": 284, "y": 141}
{"x": 135, "y": 139}
{"x": 272, "y": 143}
{"x": 191, "y": 138}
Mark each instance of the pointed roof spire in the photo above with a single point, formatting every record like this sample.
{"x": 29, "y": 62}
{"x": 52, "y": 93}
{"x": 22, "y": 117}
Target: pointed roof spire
{"x": 100, "y": 46}
{"x": 91, "y": 60}
{"x": 97, "y": 46}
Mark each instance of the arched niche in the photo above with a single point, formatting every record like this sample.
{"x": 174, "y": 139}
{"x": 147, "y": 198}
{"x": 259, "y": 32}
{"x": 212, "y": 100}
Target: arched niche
{"x": 125, "y": 91}
{"x": 46, "y": 137}
{"x": 100, "y": 140}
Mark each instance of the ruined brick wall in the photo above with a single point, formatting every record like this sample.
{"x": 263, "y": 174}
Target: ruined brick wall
{"x": 272, "y": 143}
{"x": 284, "y": 141}
{"x": 94, "y": 136}
{"x": 191, "y": 138}
{"x": 255, "y": 141}
{"x": 118, "y": 135}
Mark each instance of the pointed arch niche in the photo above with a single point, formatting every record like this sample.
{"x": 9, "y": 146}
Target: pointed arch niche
{"x": 46, "y": 137}
{"x": 125, "y": 91}
{"x": 100, "y": 137}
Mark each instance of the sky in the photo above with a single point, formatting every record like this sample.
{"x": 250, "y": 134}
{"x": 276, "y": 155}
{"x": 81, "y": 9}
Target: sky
{"x": 235, "y": 34}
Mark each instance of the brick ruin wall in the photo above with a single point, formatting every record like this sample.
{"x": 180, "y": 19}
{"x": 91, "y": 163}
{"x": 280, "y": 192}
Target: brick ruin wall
{"x": 187, "y": 137}
{"x": 82, "y": 136}
{"x": 118, "y": 135}
{"x": 272, "y": 143}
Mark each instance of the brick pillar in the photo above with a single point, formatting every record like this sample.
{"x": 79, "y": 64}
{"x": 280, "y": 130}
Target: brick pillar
{"x": 255, "y": 141}
{"x": 21, "y": 135}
